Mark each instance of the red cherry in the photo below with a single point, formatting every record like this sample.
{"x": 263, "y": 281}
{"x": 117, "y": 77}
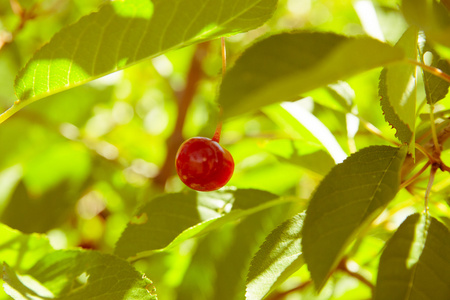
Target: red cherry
{"x": 203, "y": 165}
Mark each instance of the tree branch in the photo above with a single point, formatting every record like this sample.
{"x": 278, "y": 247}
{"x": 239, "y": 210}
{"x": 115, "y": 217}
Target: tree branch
{"x": 427, "y": 147}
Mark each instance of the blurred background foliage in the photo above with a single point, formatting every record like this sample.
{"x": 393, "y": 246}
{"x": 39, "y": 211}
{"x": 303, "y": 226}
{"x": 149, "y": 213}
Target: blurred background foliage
{"x": 76, "y": 165}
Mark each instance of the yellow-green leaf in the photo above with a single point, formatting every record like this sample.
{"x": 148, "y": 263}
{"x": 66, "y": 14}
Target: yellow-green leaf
{"x": 416, "y": 261}
{"x": 347, "y": 199}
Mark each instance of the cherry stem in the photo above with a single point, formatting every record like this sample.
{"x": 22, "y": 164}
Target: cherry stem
{"x": 224, "y": 56}
{"x": 216, "y": 137}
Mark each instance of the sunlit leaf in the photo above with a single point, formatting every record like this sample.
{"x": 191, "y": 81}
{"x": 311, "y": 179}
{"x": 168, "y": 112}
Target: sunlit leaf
{"x": 172, "y": 218}
{"x": 317, "y": 129}
{"x": 431, "y": 16}
{"x": 338, "y": 96}
{"x": 416, "y": 261}
{"x": 123, "y": 33}
{"x": 78, "y": 275}
{"x": 278, "y": 257}
{"x": 347, "y": 199}
{"x": 283, "y": 66}
{"x": 397, "y": 89}
{"x": 22, "y": 251}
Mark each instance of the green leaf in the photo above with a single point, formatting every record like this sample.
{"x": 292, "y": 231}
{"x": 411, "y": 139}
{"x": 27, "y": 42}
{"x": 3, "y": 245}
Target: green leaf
{"x": 436, "y": 88}
{"x": 416, "y": 261}
{"x": 248, "y": 235}
{"x": 22, "y": 251}
{"x": 278, "y": 257}
{"x": 317, "y": 128}
{"x": 301, "y": 153}
{"x": 38, "y": 213}
{"x": 283, "y": 66}
{"x": 347, "y": 199}
{"x": 123, "y": 33}
{"x": 77, "y": 274}
{"x": 431, "y": 16}
{"x": 170, "y": 219}
{"x": 397, "y": 89}
{"x": 338, "y": 96}
{"x": 229, "y": 252}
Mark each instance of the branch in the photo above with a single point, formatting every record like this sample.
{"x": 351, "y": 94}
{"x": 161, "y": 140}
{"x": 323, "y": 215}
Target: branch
{"x": 195, "y": 74}
{"x": 343, "y": 267}
{"x": 24, "y": 16}
{"x": 428, "y": 147}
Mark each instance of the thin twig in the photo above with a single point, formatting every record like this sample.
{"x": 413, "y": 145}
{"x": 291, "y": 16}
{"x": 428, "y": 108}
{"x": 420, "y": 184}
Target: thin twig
{"x": 24, "y": 17}
{"x": 433, "y": 131}
{"x": 284, "y": 294}
{"x": 422, "y": 149}
{"x": 415, "y": 176}
{"x": 374, "y": 130}
{"x": 218, "y": 131}
{"x": 429, "y": 147}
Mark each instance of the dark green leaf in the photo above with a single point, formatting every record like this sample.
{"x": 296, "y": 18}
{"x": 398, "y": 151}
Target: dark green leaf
{"x": 436, "y": 88}
{"x": 278, "y": 257}
{"x": 416, "y": 261}
{"x": 68, "y": 275}
{"x": 247, "y": 236}
{"x": 397, "y": 89}
{"x": 172, "y": 218}
{"x": 38, "y": 213}
{"x": 347, "y": 199}
{"x": 123, "y": 33}
{"x": 283, "y": 66}
{"x": 229, "y": 251}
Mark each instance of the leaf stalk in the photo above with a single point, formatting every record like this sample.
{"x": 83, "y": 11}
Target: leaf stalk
{"x": 432, "y": 70}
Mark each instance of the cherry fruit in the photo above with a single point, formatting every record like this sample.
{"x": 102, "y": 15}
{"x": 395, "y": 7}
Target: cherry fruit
{"x": 203, "y": 165}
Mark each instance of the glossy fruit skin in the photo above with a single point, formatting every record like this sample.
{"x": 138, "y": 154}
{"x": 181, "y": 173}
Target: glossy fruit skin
{"x": 203, "y": 165}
